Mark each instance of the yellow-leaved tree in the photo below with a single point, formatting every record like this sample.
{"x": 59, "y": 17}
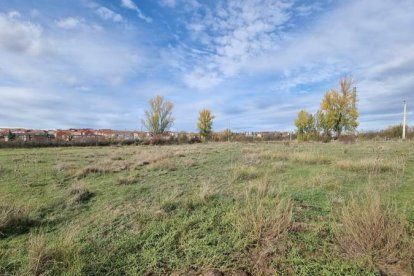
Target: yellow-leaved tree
{"x": 305, "y": 126}
{"x": 158, "y": 118}
{"x": 338, "y": 111}
{"x": 205, "y": 123}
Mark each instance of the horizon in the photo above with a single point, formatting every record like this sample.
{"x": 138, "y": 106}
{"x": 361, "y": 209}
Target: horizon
{"x": 254, "y": 64}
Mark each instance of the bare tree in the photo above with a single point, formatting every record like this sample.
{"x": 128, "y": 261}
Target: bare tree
{"x": 158, "y": 118}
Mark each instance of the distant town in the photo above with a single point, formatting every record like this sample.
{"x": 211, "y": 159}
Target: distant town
{"x": 89, "y": 134}
{"x": 72, "y": 134}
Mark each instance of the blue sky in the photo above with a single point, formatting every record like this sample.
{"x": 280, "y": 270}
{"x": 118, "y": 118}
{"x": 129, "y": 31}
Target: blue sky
{"x": 255, "y": 64}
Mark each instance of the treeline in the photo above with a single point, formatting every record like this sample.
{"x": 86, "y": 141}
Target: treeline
{"x": 392, "y": 132}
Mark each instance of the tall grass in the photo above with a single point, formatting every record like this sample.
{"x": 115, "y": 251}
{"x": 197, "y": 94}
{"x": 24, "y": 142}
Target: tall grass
{"x": 53, "y": 257}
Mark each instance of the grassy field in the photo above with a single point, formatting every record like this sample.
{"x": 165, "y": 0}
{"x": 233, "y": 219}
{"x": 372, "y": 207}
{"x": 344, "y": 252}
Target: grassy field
{"x": 209, "y": 209}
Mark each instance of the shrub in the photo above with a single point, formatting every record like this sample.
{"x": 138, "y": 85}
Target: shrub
{"x": 373, "y": 233}
{"x": 265, "y": 223}
{"x": 265, "y": 220}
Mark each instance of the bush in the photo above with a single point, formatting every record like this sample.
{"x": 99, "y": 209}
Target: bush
{"x": 375, "y": 234}
{"x": 265, "y": 222}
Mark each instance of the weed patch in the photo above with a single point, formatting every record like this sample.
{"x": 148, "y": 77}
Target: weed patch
{"x": 375, "y": 234}
{"x": 266, "y": 222}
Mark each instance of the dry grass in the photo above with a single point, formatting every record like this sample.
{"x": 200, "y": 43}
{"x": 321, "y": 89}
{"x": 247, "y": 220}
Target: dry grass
{"x": 244, "y": 173}
{"x": 164, "y": 165}
{"x": 84, "y": 172}
{"x": 310, "y": 158}
{"x": 79, "y": 194}
{"x": 298, "y": 157}
{"x": 279, "y": 156}
{"x": 206, "y": 191}
{"x": 279, "y": 166}
{"x": 373, "y": 233}
{"x": 14, "y": 220}
{"x": 372, "y": 165}
{"x": 266, "y": 220}
{"x": 263, "y": 187}
{"x": 251, "y": 159}
{"x": 149, "y": 157}
{"x": 128, "y": 180}
{"x": 122, "y": 161}
{"x": 46, "y": 257}
{"x": 105, "y": 166}
{"x": 266, "y": 223}
{"x": 322, "y": 179}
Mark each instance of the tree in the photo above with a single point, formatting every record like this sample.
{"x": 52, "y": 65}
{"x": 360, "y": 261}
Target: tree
{"x": 205, "y": 123}
{"x": 11, "y": 136}
{"x": 305, "y": 124}
{"x": 158, "y": 119}
{"x": 393, "y": 131}
{"x": 321, "y": 124}
{"x": 338, "y": 109}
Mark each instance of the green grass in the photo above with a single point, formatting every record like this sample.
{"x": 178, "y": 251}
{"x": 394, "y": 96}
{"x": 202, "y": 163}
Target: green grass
{"x": 194, "y": 208}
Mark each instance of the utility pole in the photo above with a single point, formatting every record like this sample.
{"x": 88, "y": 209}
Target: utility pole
{"x": 404, "y": 119}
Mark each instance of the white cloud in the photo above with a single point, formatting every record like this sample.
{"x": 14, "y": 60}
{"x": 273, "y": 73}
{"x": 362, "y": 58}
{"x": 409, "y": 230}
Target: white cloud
{"x": 19, "y": 37}
{"x": 75, "y": 59}
{"x": 69, "y": 23}
{"x": 108, "y": 14}
{"x": 14, "y": 14}
{"x": 129, "y": 4}
{"x": 200, "y": 80}
{"x": 231, "y": 33}
{"x": 74, "y": 23}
